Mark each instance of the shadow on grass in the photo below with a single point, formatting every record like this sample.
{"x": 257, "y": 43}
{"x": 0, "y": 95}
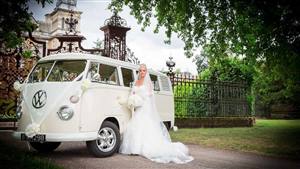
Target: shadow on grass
{"x": 285, "y": 136}
{"x": 12, "y": 158}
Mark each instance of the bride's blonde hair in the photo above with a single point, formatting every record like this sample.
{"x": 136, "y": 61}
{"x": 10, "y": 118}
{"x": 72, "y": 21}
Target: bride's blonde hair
{"x": 143, "y": 65}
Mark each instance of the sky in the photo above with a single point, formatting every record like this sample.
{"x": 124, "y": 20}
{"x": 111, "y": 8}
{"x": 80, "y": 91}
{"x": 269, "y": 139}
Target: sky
{"x": 147, "y": 46}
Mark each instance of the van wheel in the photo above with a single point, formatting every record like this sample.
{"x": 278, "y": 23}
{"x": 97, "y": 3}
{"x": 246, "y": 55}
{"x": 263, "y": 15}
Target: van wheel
{"x": 45, "y": 147}
{"x": 108, "y": 141}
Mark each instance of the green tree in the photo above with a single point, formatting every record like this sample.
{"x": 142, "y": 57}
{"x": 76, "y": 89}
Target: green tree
{"x": 15, "y": 20}
{"x": 230, "y": 69}
{"x": 243, "y": 26}
{"x": 181, "y": 92}
{"x": 264, "y": 32}
{"x": 99, "y": 44}
{"x": 201, "y": 62}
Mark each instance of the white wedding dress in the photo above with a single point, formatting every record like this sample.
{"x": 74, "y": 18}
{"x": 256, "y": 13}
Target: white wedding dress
{"x": 147, "y": 136}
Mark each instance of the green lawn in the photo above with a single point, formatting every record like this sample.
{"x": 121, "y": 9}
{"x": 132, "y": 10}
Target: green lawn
{"x": 11, "y": 158}
{"x": 269, "y": 137}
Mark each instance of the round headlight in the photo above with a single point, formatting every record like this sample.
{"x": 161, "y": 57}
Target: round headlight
{"x": 65, "y": 113}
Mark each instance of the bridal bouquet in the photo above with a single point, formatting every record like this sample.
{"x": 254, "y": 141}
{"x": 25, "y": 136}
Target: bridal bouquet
{"x": 134, "y": 101}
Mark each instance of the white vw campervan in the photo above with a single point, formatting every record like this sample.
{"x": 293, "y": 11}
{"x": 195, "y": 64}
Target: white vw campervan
{"x": 77, "y": 97}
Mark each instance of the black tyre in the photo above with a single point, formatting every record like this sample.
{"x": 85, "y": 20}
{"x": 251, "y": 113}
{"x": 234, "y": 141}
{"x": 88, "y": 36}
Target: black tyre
{"x": 167, "y": 124}
{"x": 108, "y": 142}
{"x": 44, "y": 147}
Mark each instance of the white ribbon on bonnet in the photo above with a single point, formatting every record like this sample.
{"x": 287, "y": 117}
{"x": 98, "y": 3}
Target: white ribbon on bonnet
{"x": 34, "y": 127}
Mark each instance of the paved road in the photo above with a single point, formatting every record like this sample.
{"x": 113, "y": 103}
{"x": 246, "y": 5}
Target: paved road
{"x": 75, "y": 155}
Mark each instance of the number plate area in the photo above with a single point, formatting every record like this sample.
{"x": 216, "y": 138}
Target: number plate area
{"x": 37, "y": 138}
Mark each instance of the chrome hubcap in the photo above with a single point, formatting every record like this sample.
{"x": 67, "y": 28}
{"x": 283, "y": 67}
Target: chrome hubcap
{"x": 106, "y": 139}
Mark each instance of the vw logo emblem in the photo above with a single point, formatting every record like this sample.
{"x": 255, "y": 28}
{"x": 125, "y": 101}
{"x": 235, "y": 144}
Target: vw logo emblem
{"x": 39, "y": 99}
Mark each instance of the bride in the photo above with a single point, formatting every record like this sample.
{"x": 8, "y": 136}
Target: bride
{"x": 145, "y": 134}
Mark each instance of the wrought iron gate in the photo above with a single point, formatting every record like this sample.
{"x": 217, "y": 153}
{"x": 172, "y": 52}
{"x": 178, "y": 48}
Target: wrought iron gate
{"x": 209, "y": 98}
{"x": 14, "y": 67}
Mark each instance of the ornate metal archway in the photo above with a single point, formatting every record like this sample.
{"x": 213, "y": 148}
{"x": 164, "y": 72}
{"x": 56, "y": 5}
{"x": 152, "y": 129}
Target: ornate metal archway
{"x": 16, "y": 63}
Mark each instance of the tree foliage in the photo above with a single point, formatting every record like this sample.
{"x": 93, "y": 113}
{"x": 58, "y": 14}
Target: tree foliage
{"x": 243, "y": 26}
{"x": 15, "y": 20}
{"x": 265, "y": 33}
{"x": 231, "y": 70}
{"x": 99, "y": 44}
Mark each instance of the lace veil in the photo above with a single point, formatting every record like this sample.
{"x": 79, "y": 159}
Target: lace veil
{"x": 153, "y": 109}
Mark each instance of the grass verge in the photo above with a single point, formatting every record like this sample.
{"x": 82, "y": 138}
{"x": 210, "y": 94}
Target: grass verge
{"x": 279, "y": 138}
{"x": 13, "y": 158}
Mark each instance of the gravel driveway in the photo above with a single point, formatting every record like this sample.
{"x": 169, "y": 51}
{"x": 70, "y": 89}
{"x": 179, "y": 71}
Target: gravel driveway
{"x": 74, "y": 155}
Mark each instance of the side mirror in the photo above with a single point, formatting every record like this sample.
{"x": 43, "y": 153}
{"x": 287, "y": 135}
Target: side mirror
{"x": 18, "y": 86}
{"x": 131, "y": 84}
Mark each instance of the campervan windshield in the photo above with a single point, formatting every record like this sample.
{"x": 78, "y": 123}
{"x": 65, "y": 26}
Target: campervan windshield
{"x": 57, "y": 71}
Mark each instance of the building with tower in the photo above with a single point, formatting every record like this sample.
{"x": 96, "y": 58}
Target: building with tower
{"x": 61, "y": 32}
{"x": 55, "y": 23}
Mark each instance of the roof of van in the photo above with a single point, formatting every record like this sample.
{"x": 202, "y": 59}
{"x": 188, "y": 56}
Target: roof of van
{"x": 78, "y": 56}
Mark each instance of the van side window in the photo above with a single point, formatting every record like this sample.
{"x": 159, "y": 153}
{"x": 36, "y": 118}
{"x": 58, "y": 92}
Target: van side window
{"x": 127, "y": 77}
{"x": 108, "y": 74}
{"x": 165, "y": 85}
{"x": 93, "y": 72}
{"x": 155, "y": 83}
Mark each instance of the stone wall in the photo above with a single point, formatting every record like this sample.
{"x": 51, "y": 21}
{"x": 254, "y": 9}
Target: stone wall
{"x": 215, "y": 122}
